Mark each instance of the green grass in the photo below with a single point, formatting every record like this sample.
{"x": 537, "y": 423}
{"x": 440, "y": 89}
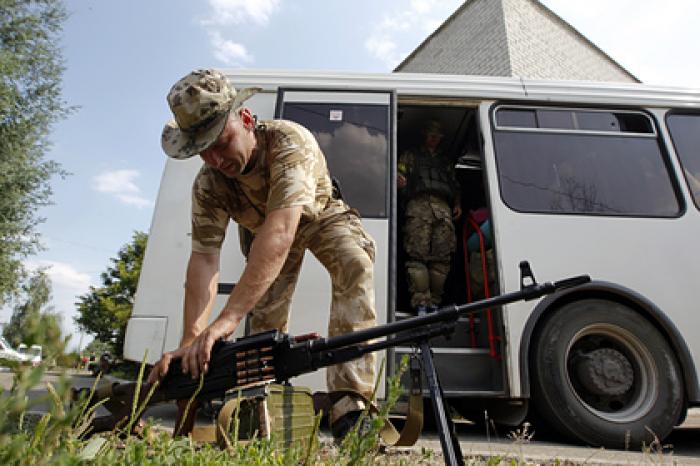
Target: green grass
{"x": 58, "y": 437}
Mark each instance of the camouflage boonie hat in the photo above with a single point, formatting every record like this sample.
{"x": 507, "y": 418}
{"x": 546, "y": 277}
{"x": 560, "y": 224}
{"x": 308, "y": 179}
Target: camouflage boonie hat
{"x": 201, "y": 103}
{"x": 433, "y": 127}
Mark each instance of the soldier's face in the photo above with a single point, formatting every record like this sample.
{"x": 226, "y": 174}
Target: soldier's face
{"x": 232, "y": 150}
{"x": 433, "y": 140}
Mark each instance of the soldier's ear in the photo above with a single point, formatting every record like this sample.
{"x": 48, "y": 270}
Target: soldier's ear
{"x": 247, "y": 118}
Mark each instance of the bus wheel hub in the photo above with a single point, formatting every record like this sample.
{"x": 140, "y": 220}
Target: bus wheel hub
{"x": 605, "y": 372}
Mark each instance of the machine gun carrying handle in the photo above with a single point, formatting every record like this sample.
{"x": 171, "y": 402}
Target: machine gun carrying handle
{"x": 527, "y": 278}
{"x": 533, "y": 290}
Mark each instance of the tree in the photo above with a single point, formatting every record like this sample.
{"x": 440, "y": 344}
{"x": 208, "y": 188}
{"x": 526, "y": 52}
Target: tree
{"x": 97, "y": 347}
{"x": 31, "y": 69}
{"x": 33, "y": 322}
{"x": 105, "y": 310}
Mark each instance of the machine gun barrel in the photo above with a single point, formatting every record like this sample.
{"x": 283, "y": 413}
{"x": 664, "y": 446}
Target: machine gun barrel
{"x": 445, "y": 314}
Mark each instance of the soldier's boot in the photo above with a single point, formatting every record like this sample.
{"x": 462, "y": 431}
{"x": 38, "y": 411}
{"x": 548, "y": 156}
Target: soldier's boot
{"x": 345, "y": 413}
{"x": 418, "y": 283}
{"x": 341, "y": 427}
{"x": 438, "y": 275}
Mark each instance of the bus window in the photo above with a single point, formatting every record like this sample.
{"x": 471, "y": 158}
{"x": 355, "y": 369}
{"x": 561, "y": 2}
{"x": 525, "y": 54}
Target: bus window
{"x": 610, "y": 163}
{"x": 581, "y": 120}
{"x": 685, "y": 132}
{"x": 517, "y": 118}
{"x": 354, "y": 139}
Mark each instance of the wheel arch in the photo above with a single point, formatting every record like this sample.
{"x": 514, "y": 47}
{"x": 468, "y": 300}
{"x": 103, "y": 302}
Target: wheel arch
{"x": 622, "y": 295}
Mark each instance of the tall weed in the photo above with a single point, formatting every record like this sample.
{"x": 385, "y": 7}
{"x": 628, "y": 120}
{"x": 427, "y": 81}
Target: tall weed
{"x": 57, "y": 436}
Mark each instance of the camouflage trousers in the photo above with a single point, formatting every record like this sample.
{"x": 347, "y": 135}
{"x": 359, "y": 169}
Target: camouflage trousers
{"x": 429, "y": 241}
{"x": 343, "y": 247}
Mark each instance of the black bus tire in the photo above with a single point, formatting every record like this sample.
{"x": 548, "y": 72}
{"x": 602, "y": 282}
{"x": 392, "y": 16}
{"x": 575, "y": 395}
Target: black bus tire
{"x": 604, "y": 375}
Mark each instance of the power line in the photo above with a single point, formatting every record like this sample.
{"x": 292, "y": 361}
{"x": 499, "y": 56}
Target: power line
{"x": 76, "y": 244}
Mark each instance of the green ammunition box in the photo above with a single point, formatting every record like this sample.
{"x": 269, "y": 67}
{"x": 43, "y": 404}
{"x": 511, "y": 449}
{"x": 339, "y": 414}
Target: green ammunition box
{"x": 282, "y": 413}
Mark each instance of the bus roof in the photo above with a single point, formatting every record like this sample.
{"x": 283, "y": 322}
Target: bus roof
{"x": 473, "y": 87}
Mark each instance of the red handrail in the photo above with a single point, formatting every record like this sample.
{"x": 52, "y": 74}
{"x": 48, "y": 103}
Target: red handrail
{"x": 492, "y": 337}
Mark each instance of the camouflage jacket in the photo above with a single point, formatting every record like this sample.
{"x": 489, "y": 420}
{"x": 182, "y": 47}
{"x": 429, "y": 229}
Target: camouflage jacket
{"x": 428, "y": 173}
{"x": 290, "y": 170}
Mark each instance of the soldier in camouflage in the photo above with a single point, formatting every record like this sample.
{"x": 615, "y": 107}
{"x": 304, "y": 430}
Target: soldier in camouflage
{"x": 427, "y": 182}
{"x": 271, "y": 178}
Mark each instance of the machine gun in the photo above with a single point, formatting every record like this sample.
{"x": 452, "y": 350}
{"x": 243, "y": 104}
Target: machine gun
{"x": 275, "y": 356}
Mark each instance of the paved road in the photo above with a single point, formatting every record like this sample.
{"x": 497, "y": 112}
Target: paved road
{"x": 685, "y": 440}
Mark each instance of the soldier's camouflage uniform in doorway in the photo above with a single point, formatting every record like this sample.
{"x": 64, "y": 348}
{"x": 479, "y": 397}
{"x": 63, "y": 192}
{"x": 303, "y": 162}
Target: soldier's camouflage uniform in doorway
{"x": 430, "y": 195}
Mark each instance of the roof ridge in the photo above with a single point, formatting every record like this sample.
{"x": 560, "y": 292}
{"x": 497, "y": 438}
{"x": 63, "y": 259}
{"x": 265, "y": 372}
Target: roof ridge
{"x": 589, "y": 42}
{"x": 542, "y": 8}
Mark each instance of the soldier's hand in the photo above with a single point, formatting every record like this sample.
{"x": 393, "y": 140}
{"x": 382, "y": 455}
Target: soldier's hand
{"x": 456, "y": 212}
{"x": 160, "y": 369}
{"x": 401, "y": 181}
{"x": 195, "y": 357}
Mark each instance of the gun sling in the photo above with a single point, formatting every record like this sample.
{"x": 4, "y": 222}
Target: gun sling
{"x": 390, "y": 435}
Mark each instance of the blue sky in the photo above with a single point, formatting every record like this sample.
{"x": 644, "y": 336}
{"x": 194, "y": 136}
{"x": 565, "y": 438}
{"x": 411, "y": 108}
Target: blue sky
{"x": 122, "y": 57}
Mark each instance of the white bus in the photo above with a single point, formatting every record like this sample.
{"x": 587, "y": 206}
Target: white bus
{"x": 575, "y": 177}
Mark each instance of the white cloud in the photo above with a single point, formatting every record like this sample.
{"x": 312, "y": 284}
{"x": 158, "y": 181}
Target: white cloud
{"x": 227, "y": 51}
{"x": 422, "y": 6}
{"x": 383, "y": 47}
{"x": 228, "y": 12}
{"x": 120, "y": 183}
{"x": 232, "y": 13}
{"x": 63, "y": 275}
{"x": 420, "y": 15}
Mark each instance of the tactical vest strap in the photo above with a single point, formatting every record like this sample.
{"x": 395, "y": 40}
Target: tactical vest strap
{"x": 430, "y": 175}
